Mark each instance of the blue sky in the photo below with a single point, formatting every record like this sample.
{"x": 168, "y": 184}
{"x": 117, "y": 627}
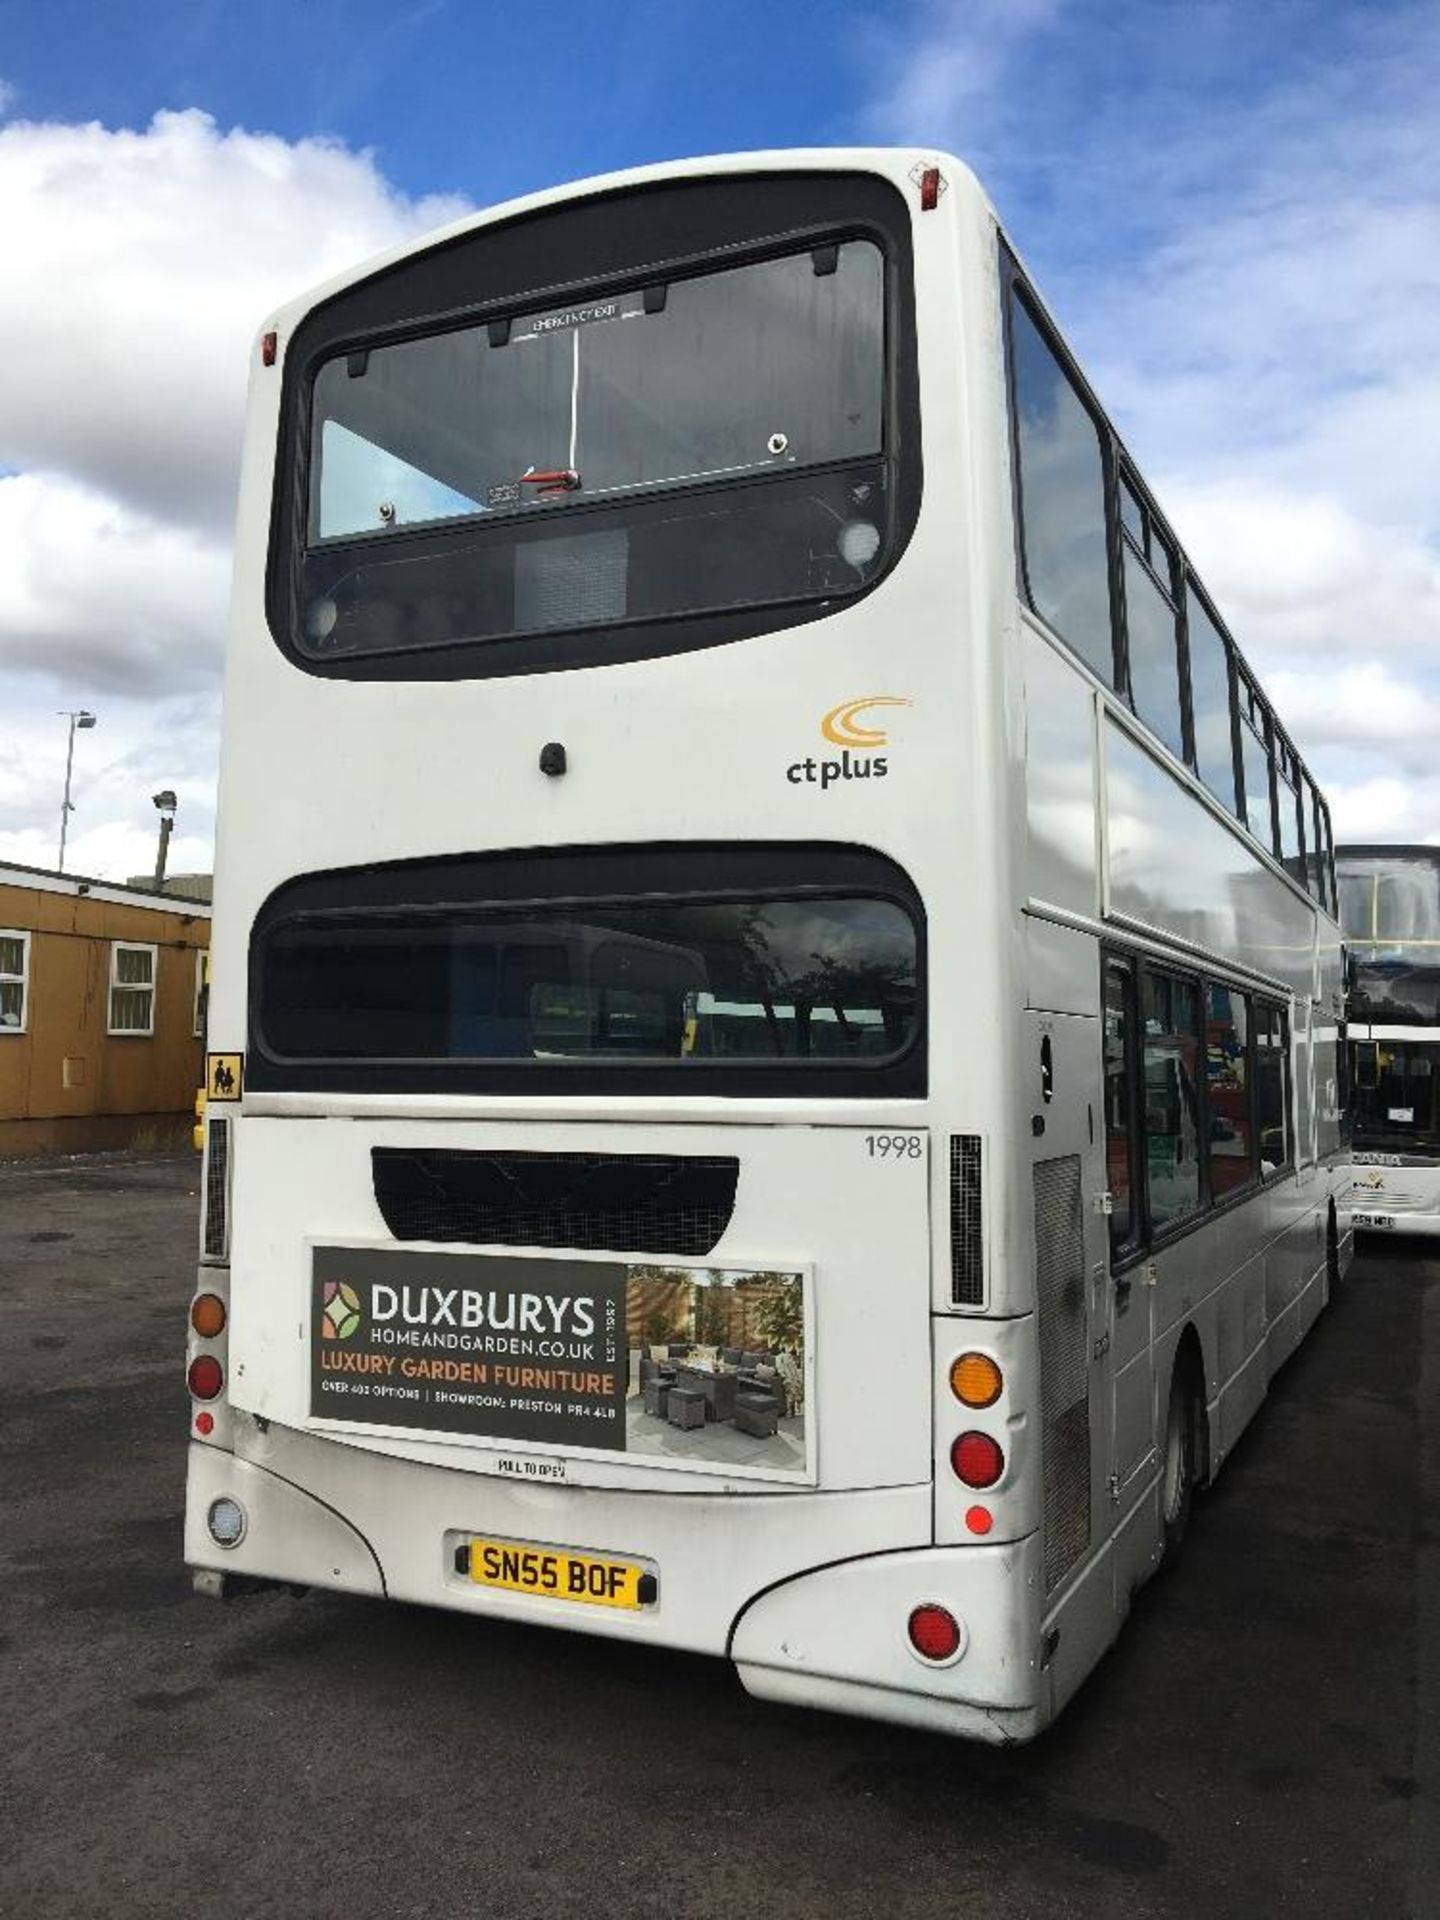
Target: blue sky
{"x": 1233, "y": 209}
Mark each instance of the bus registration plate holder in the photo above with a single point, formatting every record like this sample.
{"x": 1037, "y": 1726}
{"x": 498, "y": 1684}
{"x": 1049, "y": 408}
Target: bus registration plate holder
{"x": 554, "y": 1573}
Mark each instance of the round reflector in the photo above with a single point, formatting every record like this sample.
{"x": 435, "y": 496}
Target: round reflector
{"x": 204, "y": 1423}
{"x": 226, "y": 1521}
{"x": 205, "y": 1377}
{"x": 977, "y": 1459}
{"x": 207, "y": 1315}
{"x": 979, "y": 1519}
{"x": 976, "y": 1380}
{"x": 934, "y": 1632}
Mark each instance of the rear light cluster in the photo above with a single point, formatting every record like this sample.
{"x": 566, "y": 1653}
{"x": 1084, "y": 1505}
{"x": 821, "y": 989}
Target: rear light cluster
{"x": 976, "y": 1457}
{"x": 205, "y": 1376}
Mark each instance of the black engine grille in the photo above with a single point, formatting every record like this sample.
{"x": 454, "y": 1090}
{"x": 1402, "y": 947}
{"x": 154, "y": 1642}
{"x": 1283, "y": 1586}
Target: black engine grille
{"x": 611, "y": 1202}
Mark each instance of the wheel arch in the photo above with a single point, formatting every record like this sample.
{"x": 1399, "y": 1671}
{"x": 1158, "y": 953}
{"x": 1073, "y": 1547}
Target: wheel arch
{"x": 1189, "y": 1366}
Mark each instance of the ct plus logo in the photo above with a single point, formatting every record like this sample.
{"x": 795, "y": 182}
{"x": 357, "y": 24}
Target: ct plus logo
{"x": 843, "y": 727}
{"x": 340, "y": 1311}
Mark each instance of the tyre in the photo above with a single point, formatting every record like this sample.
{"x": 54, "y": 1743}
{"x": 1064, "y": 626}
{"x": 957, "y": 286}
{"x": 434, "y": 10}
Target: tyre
{"x": 1179, "y": 1465}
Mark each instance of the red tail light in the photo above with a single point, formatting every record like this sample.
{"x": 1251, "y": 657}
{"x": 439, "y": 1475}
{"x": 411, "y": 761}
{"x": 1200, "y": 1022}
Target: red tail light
{"x": 206, "y": 1377}
{"x": 977, "y": 1460}
{"x": 934, "y": 1633}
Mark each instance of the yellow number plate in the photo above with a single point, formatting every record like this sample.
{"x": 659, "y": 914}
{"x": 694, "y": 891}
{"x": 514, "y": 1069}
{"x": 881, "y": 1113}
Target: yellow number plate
{"x": 516, "y": 1568}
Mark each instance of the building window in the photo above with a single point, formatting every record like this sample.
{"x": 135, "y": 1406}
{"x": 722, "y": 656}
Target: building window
{"x": 132, "y": 988}
{"x": 202, "y": 990}
{"x": 14, "y": 980}
{"x": 1062, "y": 499}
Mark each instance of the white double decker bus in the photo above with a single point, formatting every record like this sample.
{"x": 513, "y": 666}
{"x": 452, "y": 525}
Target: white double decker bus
{"x": 1390, "y": 911}
{"x": 775, "y": 975}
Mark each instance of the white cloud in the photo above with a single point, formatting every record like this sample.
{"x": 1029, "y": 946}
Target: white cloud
{"x": 1300, "y": 576}
{"x": 1384, "y": 808}
{"x": 138, "y": 265}
{"x": 952, "y": 68}
{"x": 105, "y": 597}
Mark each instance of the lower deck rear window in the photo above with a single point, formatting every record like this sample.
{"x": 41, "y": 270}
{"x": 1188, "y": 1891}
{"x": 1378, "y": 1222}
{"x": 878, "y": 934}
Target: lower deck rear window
{"x": 806, "y": 979}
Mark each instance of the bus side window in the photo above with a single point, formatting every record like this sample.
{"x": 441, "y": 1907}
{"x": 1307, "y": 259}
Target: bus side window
{"x": 1152, "y": 623}
{"x": 1119, "y": 1103}
{"x": 1314, "y": 844}
{"x": 1172, "y": 1099}
{"x": 1227, "y": 1080}
{"x": 1255, "y": 765}
{"x": 1272, "y": 1083}
{"x": 1062, "y": 498}
{"x": 1210, "y": 703}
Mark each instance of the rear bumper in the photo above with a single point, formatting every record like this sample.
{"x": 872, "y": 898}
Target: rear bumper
{"x": 837, "y": 1638}
{"x": 809, "y": 1594}
{"x": 1362, "y": 1219}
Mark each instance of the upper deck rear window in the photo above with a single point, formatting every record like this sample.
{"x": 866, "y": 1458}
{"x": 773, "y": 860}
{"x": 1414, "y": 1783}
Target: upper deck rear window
{"x": 758, "y": 369}
{"x": 709, "y": 443}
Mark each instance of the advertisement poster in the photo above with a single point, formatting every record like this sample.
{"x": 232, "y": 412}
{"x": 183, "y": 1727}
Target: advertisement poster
{"x": 702, "y": 1365}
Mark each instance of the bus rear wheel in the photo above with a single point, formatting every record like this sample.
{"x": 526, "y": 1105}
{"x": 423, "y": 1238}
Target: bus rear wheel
{"x": 1180, "y": 1465}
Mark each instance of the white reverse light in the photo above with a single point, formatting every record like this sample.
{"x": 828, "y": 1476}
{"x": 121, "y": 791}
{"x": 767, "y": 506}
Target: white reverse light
{"x": 226, "y": 1521}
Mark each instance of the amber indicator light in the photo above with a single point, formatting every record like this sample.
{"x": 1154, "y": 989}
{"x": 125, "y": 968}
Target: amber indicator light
{"x": 975, "y": 1380}
{"x": 207, "y": 1315}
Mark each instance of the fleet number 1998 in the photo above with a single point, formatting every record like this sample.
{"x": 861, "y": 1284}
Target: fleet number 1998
{"x": 895, "y": 1146}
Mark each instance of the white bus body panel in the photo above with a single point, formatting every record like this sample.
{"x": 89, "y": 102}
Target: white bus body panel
{"x": 809, "y": 1198}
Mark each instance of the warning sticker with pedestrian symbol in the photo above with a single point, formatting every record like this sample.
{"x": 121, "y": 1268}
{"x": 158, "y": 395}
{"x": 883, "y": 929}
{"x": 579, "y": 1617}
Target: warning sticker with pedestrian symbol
{"x": 223, "y": 1076}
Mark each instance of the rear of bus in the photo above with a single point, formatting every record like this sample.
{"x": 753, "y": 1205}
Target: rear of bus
{"x": 601, "y": 1046}
{"x": 1390, "y": 904}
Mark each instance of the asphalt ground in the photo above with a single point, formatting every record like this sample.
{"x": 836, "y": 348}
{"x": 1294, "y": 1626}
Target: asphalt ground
{"x": 1263, "y": 1741}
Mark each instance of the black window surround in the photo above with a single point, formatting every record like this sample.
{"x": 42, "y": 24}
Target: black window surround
{"x": 1133, "y": 522}
{"x": 1142, "y": 1241}
{"x": 605, "y": 243}
{"x": 616, "y": 876}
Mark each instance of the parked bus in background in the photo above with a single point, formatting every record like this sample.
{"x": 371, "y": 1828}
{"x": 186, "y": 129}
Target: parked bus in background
{"x": 1390, "y": 911}
{"x": 773, "y": 1029}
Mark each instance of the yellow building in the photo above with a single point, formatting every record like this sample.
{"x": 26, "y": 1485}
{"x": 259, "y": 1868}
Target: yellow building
{"x": 101, "y": 1013}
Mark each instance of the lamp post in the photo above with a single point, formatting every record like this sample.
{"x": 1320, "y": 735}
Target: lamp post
{"x": 79, "y": 718}
{"x": 166, "y": 802}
